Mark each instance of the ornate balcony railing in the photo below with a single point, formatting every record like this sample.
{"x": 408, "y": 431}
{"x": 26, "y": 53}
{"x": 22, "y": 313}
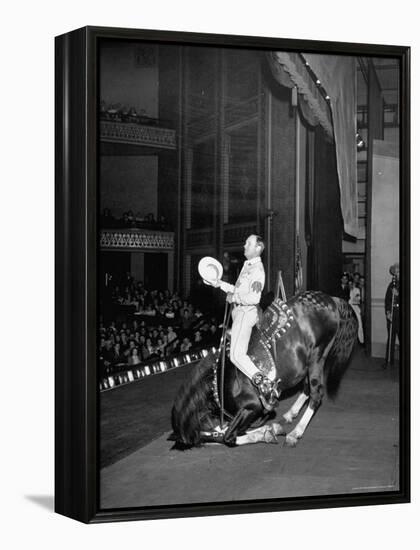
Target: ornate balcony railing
{"x": 136, "y": 239}
{"x": 137, "y": 134}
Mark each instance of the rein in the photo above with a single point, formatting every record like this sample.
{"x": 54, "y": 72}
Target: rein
{"x": 221, "y": 353}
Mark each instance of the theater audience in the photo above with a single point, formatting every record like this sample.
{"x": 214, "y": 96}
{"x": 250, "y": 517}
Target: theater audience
{"x": 144, "y": 332}
{"x": 129, "y": 220}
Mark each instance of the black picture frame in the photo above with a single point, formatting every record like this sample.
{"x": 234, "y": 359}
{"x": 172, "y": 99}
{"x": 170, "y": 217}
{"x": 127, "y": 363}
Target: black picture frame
{"x": 76, "y": 250}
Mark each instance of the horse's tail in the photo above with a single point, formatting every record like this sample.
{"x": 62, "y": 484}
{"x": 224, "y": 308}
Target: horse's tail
{"x": 194, "y": 399}
{"x": 338, "y": 358}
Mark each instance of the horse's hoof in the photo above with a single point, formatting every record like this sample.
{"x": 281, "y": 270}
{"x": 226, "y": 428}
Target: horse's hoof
{"x": 278, "y": 429}
{"x": 230, "y": 442}
{"x": 291, "y": 441}
{"x": 270, "y": 435}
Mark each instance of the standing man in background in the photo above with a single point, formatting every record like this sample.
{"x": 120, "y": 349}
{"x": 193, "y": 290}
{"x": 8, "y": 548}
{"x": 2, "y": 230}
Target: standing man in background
{"x": 392, "y": 313}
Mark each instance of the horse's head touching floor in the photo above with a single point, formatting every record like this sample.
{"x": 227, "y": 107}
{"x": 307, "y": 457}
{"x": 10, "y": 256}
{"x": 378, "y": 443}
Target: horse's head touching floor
{"x": 310, "y": 338}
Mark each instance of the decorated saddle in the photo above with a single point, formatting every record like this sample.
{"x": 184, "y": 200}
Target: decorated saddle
{"x": 276, "y": 320}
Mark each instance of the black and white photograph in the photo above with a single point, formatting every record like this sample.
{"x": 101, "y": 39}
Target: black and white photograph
{"x": 209, "y": 251}
{"x": 250, "y": 336}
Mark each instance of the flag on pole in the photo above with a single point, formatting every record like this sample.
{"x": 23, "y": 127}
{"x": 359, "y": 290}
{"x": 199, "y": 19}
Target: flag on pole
{"x": 298, "y": 268}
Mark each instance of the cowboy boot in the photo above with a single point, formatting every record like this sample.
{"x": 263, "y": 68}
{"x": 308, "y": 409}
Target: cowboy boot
{"x": 267, "y": 390}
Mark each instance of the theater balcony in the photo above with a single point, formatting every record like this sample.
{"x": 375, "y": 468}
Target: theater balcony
{"x": 149, "y": 138}
{"x": 130, "y": 239}
{"x": 148, "y": 254}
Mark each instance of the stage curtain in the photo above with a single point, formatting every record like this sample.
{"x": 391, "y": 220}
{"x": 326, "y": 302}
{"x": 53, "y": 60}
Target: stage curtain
{"x": 338, "y": 77}
{"x": 290, "y": 71}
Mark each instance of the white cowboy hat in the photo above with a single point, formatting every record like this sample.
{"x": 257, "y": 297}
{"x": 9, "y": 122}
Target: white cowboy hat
{"x": 210, "y": 269}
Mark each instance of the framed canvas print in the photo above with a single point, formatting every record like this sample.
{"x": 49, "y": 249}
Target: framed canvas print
{"x": 232, "y": 274}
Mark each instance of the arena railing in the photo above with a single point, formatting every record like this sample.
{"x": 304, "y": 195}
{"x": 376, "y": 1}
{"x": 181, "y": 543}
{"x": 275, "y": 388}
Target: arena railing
{"x": 116, "y": 376}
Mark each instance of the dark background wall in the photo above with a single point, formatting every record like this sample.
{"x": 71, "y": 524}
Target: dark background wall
{"x": 326, "y": 264}
{"x": 129, "y": 183}
{"x": 283, "y": 188}
{"x": 129, "y": 75}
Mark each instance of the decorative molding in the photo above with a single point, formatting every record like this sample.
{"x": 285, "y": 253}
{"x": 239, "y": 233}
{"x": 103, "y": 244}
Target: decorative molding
{"x": 137, "y": 134}
{"x": 137, "y": 239}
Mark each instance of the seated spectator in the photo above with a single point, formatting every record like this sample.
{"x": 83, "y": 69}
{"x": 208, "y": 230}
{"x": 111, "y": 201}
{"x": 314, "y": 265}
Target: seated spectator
{"x": 169, "y": 313}
{"x": 163, "y": 336}
{"x": 139, "y": 218}
{"x": 130, "y": 216}
{"x": 161, "y": 310}
{"x": 102, "y": 343}
{"x": 213, "y": 330}
{"x": 172, "y": 335}
{"x": 118, "y": 355}
{"x": 161, "y": 222}
{"x": 129, "y": 349}
{"x": 198, "y": 313}
{"x": 106, "y": 355}
{"x": 150, "y": 311}
{"x": 160, "y": 347}
{"x": 124, "y": 340}
{"x": 150, "y": 349}
{"x": 186, "y": 320}
{"x": 125, "y": 222}
{"x": 134, "y": 357}
{"x": 186, "y": 344}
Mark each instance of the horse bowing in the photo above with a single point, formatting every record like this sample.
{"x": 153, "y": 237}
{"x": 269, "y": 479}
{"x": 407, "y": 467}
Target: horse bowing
{"x": 309, "y": 338}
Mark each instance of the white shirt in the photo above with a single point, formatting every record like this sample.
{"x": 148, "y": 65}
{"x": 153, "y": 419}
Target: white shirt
{"x": 248, "y": 288}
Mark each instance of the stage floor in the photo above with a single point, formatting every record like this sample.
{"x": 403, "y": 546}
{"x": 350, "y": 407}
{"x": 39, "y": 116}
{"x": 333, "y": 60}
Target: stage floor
{"x": 350, "y": 446}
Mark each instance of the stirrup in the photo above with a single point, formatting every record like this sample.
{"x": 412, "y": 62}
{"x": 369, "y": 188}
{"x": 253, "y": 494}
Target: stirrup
{"x": 267, "y": 391}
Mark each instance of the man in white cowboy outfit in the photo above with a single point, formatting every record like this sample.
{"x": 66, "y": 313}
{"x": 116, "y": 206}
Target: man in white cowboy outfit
{"x": 246, "y": 295}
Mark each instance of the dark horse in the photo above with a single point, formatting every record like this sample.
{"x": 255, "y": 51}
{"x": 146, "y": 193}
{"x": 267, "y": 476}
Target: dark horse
{"x": 309, "y": 338}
